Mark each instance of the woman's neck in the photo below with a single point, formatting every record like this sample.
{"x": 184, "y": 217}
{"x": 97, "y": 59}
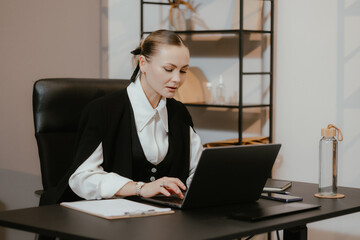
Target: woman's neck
{"x": 151, "y": 95}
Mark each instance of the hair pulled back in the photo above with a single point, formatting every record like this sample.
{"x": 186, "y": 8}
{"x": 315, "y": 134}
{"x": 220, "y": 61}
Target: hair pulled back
{"x": 150, "y": 46}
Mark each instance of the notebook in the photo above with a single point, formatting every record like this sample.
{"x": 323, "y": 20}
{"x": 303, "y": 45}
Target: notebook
{"x": 227, "y": 175}
{"x": 276, "y": 185}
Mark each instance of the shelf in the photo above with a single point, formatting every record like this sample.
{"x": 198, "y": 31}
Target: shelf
{"x": 226, "y": 31}
{"x": 156, "y": 3}
{"x": 199, "y": 104}
{"x": 202, "y": 104}
{"x": 257, "y": 73}
{"x": 162, "y": 3}
{"x": 256, "y": 31}
{"x": 243, "y": 35}
{"x": 256, "y": 106}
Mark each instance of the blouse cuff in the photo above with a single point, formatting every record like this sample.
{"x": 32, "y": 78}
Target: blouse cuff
{"x": 111, "y": 184}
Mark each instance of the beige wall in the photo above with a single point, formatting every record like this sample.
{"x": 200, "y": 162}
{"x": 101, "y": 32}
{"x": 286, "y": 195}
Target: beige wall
{"x": 317, "y": 83}
{"x": 38, "y": 39}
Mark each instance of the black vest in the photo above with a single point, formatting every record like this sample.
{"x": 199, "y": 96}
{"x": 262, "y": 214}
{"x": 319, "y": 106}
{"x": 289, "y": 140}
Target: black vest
{"x": 122, "y": 160}
{"x": 143, "y": 170}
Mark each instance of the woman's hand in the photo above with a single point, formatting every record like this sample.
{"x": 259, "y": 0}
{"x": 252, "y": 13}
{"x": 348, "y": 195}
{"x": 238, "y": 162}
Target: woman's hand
{"x": 166, "y": 185}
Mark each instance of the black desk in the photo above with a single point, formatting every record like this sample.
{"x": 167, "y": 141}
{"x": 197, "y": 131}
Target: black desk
{"x": 213, "y": 223}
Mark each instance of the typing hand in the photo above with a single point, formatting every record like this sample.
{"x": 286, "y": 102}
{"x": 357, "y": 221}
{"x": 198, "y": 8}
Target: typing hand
{"x": 167, "y": 186}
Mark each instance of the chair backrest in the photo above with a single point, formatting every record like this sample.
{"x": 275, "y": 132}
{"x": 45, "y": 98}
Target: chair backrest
{"x": 57, "y": 107}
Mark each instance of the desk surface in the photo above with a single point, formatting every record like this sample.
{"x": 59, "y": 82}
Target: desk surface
{"x": 55, "y": 220}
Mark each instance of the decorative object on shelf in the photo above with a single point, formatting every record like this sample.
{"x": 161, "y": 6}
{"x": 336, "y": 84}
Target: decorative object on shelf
{"x": 208, "y": 93}
{"x": 220, "y": 91}
{"x": 328, "y": 162}
{"x": 185, "y": 19}
{"x": 180, "y": 15}
{"x": 193, "y": 90}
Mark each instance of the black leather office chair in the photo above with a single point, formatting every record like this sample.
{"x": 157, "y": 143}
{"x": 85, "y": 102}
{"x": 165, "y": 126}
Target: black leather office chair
{"x": 57, "y": 107}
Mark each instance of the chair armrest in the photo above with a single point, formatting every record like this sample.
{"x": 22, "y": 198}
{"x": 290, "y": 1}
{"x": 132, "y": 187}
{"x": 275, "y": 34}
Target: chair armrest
{"x": 39, "y": 192}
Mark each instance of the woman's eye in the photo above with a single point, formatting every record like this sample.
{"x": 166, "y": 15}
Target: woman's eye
{"x": 168, "y": 69}
{"x": 184, "y": 70}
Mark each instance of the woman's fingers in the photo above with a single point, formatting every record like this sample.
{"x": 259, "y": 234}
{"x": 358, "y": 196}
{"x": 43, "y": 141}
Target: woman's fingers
{"x": 173, "y": 185}
{"x": 180, "y": 184}
{"x": 176, "y": 181}
{"x": 174, "y": 189}
{"x": 165, "y": 192}
{"x": 165, "y": 186}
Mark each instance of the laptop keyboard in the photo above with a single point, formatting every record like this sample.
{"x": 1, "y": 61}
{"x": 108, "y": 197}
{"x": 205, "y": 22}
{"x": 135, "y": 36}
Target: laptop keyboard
{"x": 171, "y": 199}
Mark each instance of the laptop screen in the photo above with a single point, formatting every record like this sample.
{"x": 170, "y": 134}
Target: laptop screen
{"x": 227, "y": 175}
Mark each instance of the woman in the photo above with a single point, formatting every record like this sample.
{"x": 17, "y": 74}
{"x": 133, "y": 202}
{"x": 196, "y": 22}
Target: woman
{"x": 140, "y": 141}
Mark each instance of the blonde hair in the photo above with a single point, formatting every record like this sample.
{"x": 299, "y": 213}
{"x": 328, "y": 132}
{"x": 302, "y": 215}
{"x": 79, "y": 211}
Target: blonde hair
{"x": 150, "y": 45}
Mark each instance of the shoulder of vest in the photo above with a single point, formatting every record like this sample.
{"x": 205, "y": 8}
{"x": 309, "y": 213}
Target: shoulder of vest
{"x": 110, "y": 101}
{"x": 175, "y": 104}
{"x": 179, "y": 109}
{"x": 112, "y": 98}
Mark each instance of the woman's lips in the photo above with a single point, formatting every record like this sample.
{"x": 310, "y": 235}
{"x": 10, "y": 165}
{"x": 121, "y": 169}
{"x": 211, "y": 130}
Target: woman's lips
{"x": 172, "y": 89}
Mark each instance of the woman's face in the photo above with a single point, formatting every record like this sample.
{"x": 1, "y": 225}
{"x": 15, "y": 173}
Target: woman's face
{"x": 164, "y": 72}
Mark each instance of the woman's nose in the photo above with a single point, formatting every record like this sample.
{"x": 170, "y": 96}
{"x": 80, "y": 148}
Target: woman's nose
{"x": 176, "y": 77}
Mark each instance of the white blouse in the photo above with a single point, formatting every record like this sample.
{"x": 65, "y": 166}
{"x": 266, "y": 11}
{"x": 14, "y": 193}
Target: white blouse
{"x": 90, "y": 181}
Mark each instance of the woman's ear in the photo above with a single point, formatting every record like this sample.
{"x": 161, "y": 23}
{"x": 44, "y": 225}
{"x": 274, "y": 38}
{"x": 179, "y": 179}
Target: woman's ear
{"x": 142, "y": 63}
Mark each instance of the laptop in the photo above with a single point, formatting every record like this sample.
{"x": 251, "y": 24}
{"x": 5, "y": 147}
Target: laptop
{"x": 226, "y": 175}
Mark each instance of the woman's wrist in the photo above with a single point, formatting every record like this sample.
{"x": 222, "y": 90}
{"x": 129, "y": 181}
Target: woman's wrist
{"x": 129, "y": 189}
{"x": 138, "y": 187}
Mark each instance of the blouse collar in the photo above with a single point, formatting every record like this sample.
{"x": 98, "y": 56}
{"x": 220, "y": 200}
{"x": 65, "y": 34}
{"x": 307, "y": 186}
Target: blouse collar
{"x": 143, "y": 111}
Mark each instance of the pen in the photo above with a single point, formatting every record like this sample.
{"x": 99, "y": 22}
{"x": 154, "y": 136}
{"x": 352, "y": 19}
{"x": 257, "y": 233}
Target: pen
{"x": 139, "y": 213}
{"x": 286, "y": 193}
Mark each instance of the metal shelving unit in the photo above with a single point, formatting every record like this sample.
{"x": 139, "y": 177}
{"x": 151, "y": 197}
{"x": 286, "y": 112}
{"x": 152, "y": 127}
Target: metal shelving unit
{"x": 240, "y": 32}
